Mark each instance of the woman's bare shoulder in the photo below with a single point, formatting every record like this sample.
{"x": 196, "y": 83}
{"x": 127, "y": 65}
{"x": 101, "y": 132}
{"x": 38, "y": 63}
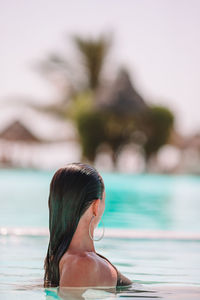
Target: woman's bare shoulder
{"x": 78, "y": 270}
{"x": 84, "y": 270}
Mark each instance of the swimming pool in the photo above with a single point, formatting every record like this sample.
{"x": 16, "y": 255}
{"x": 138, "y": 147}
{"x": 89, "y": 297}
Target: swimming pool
{"x": 159, "y": 248}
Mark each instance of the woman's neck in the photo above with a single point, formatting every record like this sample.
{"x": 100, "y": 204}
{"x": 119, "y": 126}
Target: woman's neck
{"x": 81, "y": 241}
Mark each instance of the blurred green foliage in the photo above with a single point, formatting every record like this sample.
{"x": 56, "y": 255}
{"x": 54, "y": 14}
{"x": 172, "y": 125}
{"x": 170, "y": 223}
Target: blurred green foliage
{"x": 89, "y": 123}
{"x": 96, "y": 127}
{"x": 157, "y": 123}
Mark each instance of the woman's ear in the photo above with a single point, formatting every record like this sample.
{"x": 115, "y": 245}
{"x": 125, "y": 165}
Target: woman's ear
{"x": 95, "y": 207}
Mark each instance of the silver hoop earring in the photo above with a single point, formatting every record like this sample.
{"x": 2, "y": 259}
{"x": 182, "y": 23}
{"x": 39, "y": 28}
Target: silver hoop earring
{"x": 90, "y": 231}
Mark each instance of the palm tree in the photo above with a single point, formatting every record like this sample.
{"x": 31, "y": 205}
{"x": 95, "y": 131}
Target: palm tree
{"x": 93, "y": 53}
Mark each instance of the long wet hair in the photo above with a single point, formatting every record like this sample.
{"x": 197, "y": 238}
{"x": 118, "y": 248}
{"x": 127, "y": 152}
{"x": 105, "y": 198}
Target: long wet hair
{"x": 73, "y": 188}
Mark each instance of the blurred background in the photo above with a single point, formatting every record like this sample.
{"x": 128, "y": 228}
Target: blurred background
{"x": 111, "y": 83}
{"x": 118, "y": 88}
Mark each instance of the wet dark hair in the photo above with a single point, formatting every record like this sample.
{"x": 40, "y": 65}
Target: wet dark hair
{"x": 73, "y": 188}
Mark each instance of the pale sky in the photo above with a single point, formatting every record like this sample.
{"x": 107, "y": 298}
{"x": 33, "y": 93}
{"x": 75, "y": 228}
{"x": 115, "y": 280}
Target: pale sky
{"x": 158, "y": 40}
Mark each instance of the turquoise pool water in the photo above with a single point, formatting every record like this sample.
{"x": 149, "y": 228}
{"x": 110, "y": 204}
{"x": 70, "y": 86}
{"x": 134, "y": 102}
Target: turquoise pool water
{"x": 132, "y": 201}
{"x": 167, "y": 268}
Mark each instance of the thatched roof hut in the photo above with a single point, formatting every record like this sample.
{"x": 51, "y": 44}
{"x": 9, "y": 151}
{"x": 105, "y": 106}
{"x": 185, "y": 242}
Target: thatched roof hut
{"x": 120, "y": 97}
{"x": 32, "y": 139}
{"x": 16, "y": 131}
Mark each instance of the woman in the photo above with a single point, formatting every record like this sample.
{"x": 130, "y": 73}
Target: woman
{"x": 76, "y": 205}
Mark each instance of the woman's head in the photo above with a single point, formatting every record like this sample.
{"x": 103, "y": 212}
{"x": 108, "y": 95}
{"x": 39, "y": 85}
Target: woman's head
{"x": 74, "y": 189}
